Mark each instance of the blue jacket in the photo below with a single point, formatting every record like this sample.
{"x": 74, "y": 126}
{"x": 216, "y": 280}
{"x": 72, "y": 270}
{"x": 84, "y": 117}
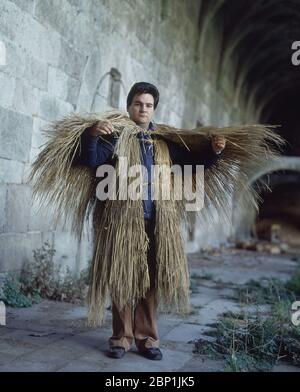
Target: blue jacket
{"x": 96, "y": 152}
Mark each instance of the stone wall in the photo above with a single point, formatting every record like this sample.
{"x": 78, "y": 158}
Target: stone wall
{"x": 59, "y": 54}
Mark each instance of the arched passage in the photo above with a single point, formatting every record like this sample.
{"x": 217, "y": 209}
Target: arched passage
{"x": 280, "y": 206}
{"x": 280, "y": 209}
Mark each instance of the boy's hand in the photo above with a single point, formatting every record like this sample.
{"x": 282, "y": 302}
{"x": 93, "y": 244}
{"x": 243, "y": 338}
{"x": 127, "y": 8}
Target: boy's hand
{"x": 101, "y": 128}
{"x": 218, "y": 143}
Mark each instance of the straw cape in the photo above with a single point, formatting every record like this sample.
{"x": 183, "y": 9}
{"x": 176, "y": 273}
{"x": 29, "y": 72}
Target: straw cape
{"x": 119, "y": 265}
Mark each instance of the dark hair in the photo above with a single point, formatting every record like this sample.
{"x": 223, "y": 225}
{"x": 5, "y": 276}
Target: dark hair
{"x": 143, "y": 88}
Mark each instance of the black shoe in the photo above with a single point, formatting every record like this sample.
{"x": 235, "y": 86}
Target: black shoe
{"x": 116, "y": 352}
{"x": 152, "y": 353}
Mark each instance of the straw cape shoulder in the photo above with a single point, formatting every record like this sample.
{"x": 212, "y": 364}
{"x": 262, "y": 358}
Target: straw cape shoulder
{"x": 118, "y": 227}
{"x": 248, "y": 148}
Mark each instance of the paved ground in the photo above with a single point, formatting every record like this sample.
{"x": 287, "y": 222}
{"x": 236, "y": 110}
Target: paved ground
{"x": 52, "y": 336}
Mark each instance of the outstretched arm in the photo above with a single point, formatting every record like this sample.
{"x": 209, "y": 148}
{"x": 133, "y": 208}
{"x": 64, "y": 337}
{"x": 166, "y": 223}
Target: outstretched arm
{"x": 180, "y": 155}
{"x": 94, "y": 151}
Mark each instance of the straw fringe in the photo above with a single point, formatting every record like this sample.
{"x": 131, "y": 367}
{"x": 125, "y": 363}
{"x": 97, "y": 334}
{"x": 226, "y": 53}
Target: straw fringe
{"x": 119, "y": 265}
{"x": 172, "y": 276}
{"x": 248, "y": 148}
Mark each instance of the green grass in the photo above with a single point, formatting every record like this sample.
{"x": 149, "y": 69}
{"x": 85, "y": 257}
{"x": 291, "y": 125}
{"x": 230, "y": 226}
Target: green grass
{"x": 12, "y": 294}
{"x": 40, "y": 278}
{"x": 257, "y": 341}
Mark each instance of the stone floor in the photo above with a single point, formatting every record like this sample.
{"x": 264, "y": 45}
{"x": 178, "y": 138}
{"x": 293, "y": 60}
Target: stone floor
{"x": 52, "y": 336}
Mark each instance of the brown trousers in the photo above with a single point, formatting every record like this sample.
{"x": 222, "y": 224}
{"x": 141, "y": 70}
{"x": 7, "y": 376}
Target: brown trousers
{"x": 138, "y": 323}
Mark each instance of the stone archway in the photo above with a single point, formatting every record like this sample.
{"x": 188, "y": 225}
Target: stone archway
{"x": 245, "y": 220}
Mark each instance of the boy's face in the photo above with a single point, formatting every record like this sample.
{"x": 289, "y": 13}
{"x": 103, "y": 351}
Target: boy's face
{"x": 141, "y": 109}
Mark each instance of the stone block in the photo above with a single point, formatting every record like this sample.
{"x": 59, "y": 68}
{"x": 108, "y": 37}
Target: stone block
{"x": 185, "y": 332}
{"x": 26, "y": 172}
{"x": 63, "y": 86}
{"x": 71, "y": 61}
{"x": 25, "y": 5}
{"x": 52, "y": 108}
{"x": 82, "y": 366}
{"x": 70, "y": 23}
{"x": 11, "y": 171}
{"x": 26, "y": 98}
{"x": 11, "y": 348}
{"x": 201, "y": 363}
{"x": 10, "y": 15}
{"x": 15, "y": 135}
{"x": 16, "y": 248}
{"x": 34, "y": 152}
{"x": 38, "y": 137}
{"x": 40, "y": 219}
{"x": 38, "y": 40}
{"x": 20, "y": 64}
{"x": 36, "y": 72}
{"x": 66, "y": 247}
{"x": 17, "y": 211}
{"x": 19, "y": 365}
{"x": 100, "y": 104}
{"x": 7, "y": 84}
{"x": 210, "y": 312}
{"x": 15, "y": 59}
{"x": 3, "y": 192}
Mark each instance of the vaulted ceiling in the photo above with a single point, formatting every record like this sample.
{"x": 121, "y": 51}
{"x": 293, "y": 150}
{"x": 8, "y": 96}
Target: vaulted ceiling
{"x": 259, "y": 34}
